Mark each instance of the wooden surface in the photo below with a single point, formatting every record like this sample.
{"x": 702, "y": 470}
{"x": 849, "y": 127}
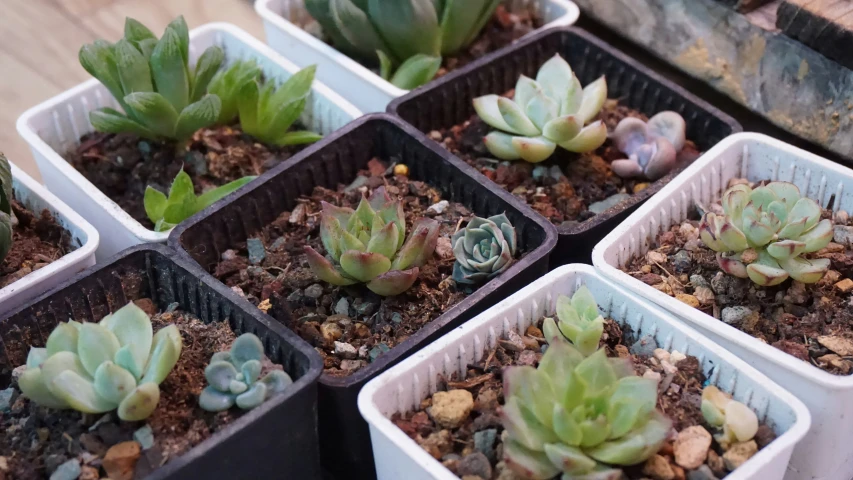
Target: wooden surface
{"x": 824, "y": 25}
{"x": 39, "y": 40}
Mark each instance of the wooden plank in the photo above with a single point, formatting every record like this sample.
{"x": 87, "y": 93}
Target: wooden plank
{"x": 824, "y": 25}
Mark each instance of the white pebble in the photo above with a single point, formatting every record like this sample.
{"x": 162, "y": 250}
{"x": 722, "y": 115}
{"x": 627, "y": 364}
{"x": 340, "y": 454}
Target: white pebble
{"x": 651, "y": 374}
{"x": 661, "y": 355}
{"x": 676, "y": 357}
{"x": 668, "y": 368}
{"x": 439, "y": 207}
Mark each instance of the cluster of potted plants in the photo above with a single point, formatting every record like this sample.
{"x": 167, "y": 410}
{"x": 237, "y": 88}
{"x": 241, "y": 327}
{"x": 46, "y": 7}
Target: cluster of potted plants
{"x": 311, "y": 251}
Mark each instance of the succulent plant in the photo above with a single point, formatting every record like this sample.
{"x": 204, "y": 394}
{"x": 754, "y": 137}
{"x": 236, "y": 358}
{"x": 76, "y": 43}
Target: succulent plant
{"x": 161, "y": 96}
{"x": 267, "y": 112}
{"x": 366, "y": 245}
{"x": 579, "y": 416}
{"x": 483, "y": 249}
{"x": 234, "y": 377}
{"x": 5, "y": 207}
{"x": 652, "y": 147}
{"x": 578, "y": 320}
{"x": 764, "y": 232}
{"x": 97, "y": 367}
{"x": 414, "y": 33}
{"x": 549, "y": 111}
{"x": 227, "y": 85}
{"x": 739, "y": 422}
{"x": 182, "y": 202}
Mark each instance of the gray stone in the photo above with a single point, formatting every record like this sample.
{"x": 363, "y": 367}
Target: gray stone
{"x": 144, "y": 436}
{"x": 360, "y": 181}
{"x": 484, "y": 442}
{"x": 599, "y": 207}
{"x": 196, "y": 162}
{"x": 475, "y": 464}
{"x": 555, "y": 173}
{"x": 699, "y": 281}
{"x": 365, "y": 308}
{"x": 735, "y": 315}
{"x": 6, "y": 399}
{"x": 539, "y": 172}
{"x": 53, "y": 461}
{"x": 229, "y": 255}
{"x": 256, "y": 250}
{"x": 363, "y": 351}
{"x": 342, "y": 307}
{"x": 378, "y": 350}
{"x": 172, "y": 307}
{"x": 645, "y": 346}
{"x": 721, "y": 282}
{"x": 842, "y": 234}
{"x": 295, "y": 296}
{"x": 439, "y": 207}
{"x": 352, "y": 365}
{"x": 69, "y": 470}
{"x": 345, "y": 350}
{"x": 681, "y": 261}
{"x": 397, "y": 317}
{"x": 702, "y": 473}
{"x": 144, "y": 147}
{"x": 314, "y": 291}
{"x": 278, "y": 243}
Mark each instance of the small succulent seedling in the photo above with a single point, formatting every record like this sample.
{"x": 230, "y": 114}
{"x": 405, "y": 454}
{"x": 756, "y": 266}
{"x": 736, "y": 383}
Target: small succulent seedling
{"x": 234, "y": 377}
{"x": 162, "y": 97}
{"x": 182, "y": 202}
{"x": 366, "y": 245}
{"x": 652, "y": 147}
{"x": 5, "y": 207}
{"x": 738, "y": 422}
{"x": 578, "y": 320}
{"x": 579, "y": 415}
{"x": 549, "y": 111}
{"x": 97, "y": 367}
{"x": 227, "y": 85}
{"x": 483, "y": 249}
{"x": 267, "y": 112}
{"x": 764, "y": 232}
{"x": 414, "y": 33}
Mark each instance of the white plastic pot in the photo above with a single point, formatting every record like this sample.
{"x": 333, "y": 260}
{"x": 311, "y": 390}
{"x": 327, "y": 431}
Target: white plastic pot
{"x": 403, "y": 387}
{"x": 84, "y": 241}
{"x": 283, "y": 21}
{"x": 827, "y": 451}
{"x": 55, "y": 126}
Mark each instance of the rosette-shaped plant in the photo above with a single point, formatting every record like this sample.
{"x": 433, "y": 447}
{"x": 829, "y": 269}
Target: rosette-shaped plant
{"x": 366, "y": 245}
{"x": 162, "y": 97}
{"x": 652, "y": 147}
{"x": 739, "y": 422}
{"x": 549, "y": 111}
{"x": 5, "y": 207}
{"x": 235, "y": 377}
{"x": 764, "y": 232}
{"x": 577, "y": 320}
{"x": 414, "y": 33}
{"x": 483, "y": 249}
{"x": 577, "y": 415}
{"x": 98, "y": 367}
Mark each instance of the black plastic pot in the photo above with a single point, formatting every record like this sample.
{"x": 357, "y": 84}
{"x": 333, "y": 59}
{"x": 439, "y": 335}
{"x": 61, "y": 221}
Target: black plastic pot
{"x": 345, "y": 441}
{"x": 277, "y": 439}
{"x": 447, "y": 102}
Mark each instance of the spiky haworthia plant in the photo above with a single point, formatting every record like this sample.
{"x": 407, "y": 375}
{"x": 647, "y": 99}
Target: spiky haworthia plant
{"x": 366, "y": 245}
{"x": 227, "y": 85}
{"x": 97, "y": 367}
{"x": 549, "y": 111}
{"x": 5, "y": 207}
{"x": 162, "y": 97}
{"x": 578, "y": 320}
{"x": 483, "y": 249}
{"x": 652, "y": 147}
{"x": 235, "y": 377}
{"x": 414, "y": 33}
{"x": 764, "y": 232}
{"x": 739, "y": 422}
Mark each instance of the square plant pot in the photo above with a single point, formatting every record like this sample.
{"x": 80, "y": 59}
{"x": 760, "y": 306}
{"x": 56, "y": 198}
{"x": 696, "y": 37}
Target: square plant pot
{"x": 826, "y": 452}
{"x": 402, "y": 388}
{"x": 56, "y": 125}
{"x": 283, "y": 22}
{"x": 336, "y": 160}
{"x": 278, "y": 436}
{"x": 83, "y": 239}
{"x": 448, "y": 102}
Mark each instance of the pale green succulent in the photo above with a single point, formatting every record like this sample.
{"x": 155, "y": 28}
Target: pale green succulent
{"x": 483, "y": 249}
{"x": 366, "y": 245}
{"x": 234, "y": 377}
{"x": 5, "y": 207}
{"x": 739, "y": 422}
{"x": 579, "y": 416}
{"x": 549, "y": 111}
{"x": 117, "y": 363}
{"x": 227, "y": 85}
{"x": 764, "y": 232}
{"x": 408, "y": 36}
{"x": 162, "y": 97}
{"x": 578, "y": 320}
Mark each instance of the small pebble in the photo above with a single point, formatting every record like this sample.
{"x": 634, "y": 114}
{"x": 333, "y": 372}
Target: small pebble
{"x": 676, "y": 357}
{"x": 699, "y": 281}
{"x": 658, "y": 468}
{"x": 840, "y": 345}
{"x": 842, "y": 234}
{"x": 6, "y": 399}
{"x": 439, "y": 207}
{"x": 681, "y": 261}
{"x": 229, "y": 255}
{"x": 484, "y": 442}
{"x": 645, "y": 346}
{"x": 702, "y": 473}
{"x": 144, "y": 436}
{"x": 735, "y": 315}
{"x": 256, "y": 250}
{"x": 661, "y": 354}
{"x": 841, "y": 217}
{"x": 402, "y": 169}
{"x": 845, "y": 285}
{"x": 359, "y": 182}
{"x": 739, "y": 453}
{"x": 688, "y": 299}
{"x": 314, "y": 291}
{"x": 352, "y": 365}
{"x": 345, "y": 350}
{"x": 691, "y": 447}
{"x": 69, "y": 470}
{"x": 704, "y": 294}
{"x": 331, "y": 331}
{"x": 378, "y": 350}
{"x": 397, "y": 318}
{"x": 449, "y": 409}
{"x": 609, "y": 202}
{"x": 342, "y": 307}
{"x": 652, "y": 375}
{"x": 475, "y": 464}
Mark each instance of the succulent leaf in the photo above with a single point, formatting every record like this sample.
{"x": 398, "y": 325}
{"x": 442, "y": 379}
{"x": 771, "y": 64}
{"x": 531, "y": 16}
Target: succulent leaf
{"x": 652, "y": 147}
{"x": 738, "y": 421}
{"x": 140, "y": 404}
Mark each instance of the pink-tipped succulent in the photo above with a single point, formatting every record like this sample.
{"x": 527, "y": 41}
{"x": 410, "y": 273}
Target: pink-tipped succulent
{"x": 366, "y": 245}
{"x": 764, "y": 232}
{"x": 652, "y": 147}
{"x": 549, "y": 111}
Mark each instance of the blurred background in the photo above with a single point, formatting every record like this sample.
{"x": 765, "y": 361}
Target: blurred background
{"x": 38, "y": 55}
